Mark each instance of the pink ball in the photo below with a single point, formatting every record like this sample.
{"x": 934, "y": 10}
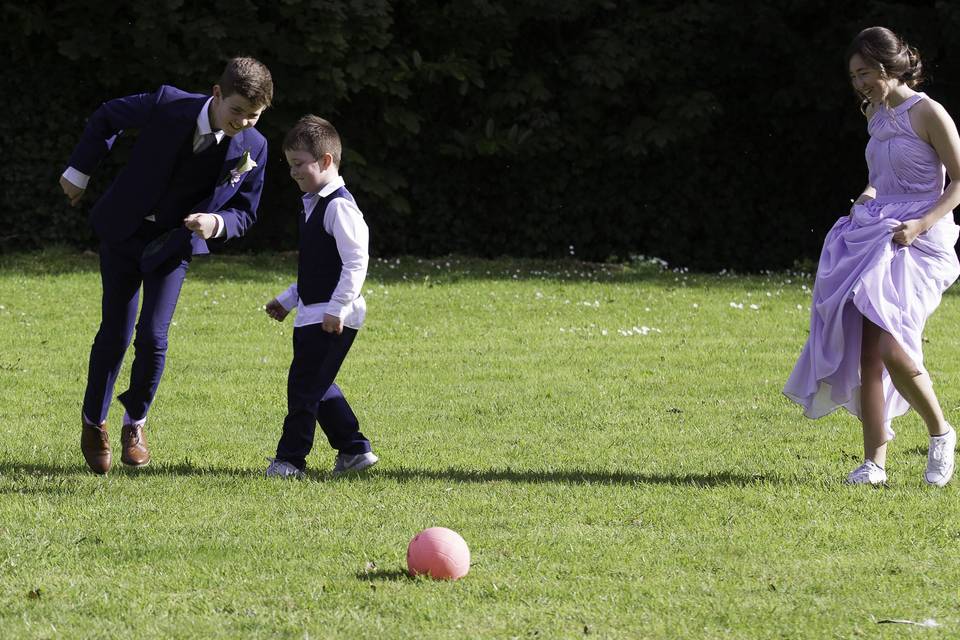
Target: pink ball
{"x": 439, "y": 553}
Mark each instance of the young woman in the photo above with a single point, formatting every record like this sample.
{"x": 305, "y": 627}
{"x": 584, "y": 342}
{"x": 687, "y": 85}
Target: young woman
{"x": 885, "y": 266}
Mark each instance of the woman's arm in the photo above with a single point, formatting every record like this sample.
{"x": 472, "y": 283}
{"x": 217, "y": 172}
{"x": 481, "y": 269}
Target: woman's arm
{"x": 935, "y": 126}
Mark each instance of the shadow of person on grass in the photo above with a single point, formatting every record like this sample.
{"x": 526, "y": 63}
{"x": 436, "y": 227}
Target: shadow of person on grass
{"x": 574, "y": 476}
{"x": 404, "y": 474}
{"x": 182, "y": 468}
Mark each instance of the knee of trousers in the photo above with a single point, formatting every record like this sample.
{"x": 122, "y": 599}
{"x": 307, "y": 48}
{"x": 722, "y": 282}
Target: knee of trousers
{"x": 150, "y": 342}
{"x": 302, "y": 406}
{"x": 111, "y": 344}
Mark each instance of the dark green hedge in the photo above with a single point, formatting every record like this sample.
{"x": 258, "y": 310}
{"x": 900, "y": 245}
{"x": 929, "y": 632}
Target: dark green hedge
{"x": 710, "y": 134}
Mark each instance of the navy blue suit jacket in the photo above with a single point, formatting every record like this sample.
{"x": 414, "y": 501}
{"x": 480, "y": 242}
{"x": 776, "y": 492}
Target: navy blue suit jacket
{"x": 165, "y": 118}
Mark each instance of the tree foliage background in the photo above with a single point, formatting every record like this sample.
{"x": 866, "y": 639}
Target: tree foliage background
{"x": 711, "y": 134}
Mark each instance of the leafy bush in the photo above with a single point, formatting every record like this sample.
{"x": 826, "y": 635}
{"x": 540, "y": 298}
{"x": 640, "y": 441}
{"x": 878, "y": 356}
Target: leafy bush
{"x": 696, "y": 131}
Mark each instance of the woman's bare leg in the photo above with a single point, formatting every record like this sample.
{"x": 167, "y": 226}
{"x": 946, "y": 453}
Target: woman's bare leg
{"x": 912, "y": 384}
{"x": 871, "y": 395}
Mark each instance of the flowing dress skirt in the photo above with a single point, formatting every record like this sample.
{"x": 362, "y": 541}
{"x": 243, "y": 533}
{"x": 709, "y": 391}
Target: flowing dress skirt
{"x": 862, "y": 273}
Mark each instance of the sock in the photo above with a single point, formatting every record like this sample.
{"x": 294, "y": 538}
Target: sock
{"x": 128, "y": 420}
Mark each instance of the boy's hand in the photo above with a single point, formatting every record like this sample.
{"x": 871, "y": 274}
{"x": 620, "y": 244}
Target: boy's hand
{"x": 73, "y": 192}
{"x": 332, "y": 324}
{"x": 276, "y": 311}
{"x": 203, "y": 224}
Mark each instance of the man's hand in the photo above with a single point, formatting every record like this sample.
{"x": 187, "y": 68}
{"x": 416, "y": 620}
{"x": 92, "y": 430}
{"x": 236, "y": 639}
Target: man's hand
{"x": 72, "y": 191}
{"x": 332, "y": 324}
{"x": 276, "y": 311}
{"x": 203, "y": 224}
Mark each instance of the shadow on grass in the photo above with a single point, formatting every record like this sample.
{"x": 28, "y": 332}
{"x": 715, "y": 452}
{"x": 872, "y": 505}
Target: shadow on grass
{"x": 15, "y": 470}
{"x": 384, "y": 575}
{"x": 184, "y": 468}
{"x": 56, "y": 261}
{"x": 576, "y": 476}
{"x": 263, "y": 267}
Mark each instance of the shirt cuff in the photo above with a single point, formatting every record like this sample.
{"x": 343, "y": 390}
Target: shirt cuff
{"x": 221, "y": 227}
{"x": 335, "y": 308}
{"x": 289, "y": 298}
{"x": 77, "y": 179}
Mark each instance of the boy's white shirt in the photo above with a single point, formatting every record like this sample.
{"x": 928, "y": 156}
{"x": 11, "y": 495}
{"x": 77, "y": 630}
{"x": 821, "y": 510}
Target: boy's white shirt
{"x": 81, "y": 180}
{"x": 344, "y": 221}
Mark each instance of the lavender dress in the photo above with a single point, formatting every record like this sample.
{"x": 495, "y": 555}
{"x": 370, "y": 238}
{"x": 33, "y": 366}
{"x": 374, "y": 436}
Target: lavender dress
{"x": 862, "y": 272}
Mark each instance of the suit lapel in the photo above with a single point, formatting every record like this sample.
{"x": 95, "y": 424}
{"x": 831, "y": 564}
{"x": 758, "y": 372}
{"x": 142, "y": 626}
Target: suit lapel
{"x": 185, "y": 121}
{"x": 224, "y": 190}
{"x": 160, "y": 146}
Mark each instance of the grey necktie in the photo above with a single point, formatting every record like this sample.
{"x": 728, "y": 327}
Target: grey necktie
{"x": 204, "y": 142}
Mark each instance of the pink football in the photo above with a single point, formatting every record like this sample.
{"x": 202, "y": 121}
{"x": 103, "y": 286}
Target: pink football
{"x": 439, "y": 553}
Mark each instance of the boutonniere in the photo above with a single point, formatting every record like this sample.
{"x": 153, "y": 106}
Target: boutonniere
{"x": 245, "y": 164}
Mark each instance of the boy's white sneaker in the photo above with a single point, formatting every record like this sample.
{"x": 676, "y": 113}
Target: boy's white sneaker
{"x": 868, "y": 473}
{"x": 940, "y": 458}
{"x": 348, "y": 463}
{"x": 282, "y": 469}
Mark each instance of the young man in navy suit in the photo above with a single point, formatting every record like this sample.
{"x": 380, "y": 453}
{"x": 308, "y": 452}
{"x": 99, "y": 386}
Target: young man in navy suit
{"x": 194, "y": 178}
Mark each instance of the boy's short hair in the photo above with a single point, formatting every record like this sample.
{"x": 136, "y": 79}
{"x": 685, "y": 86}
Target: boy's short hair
{"x": 248, "y": 77}
{"x": 316, "y": 136}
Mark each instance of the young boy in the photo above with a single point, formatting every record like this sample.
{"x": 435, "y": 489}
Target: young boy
{"x": 184, "y": 185}
{"x": 331, "y": 269}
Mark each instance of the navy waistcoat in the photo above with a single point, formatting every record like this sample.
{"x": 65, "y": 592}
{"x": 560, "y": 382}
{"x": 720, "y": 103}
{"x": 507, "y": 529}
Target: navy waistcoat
{"x": 319, "y": 265}
{"x": 194, "y": 179}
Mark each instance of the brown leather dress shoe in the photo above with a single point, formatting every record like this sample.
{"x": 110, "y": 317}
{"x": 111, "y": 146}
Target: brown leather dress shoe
{"x": 95, "y": 445}
{"x": 134, "y": 450}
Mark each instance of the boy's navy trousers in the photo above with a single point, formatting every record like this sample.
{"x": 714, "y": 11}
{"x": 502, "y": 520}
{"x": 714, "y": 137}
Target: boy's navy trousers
{"x": 313, "y": 397}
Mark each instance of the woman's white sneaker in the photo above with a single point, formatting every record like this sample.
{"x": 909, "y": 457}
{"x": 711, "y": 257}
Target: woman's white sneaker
{"x": 868, "y": 473}
{"x": 940, "y": 458}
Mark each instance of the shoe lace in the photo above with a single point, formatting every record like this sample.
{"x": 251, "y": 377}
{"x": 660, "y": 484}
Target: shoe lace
{"x": 864, "y": 470}
{"x": 283, "y": 467}
{"x": 133, "y": 434}
{"x": 939, "y": 447}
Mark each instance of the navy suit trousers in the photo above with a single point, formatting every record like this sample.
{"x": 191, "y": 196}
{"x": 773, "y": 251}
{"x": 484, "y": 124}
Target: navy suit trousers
{"x": 312, "y": 396}
{"x": 122, "y": 279}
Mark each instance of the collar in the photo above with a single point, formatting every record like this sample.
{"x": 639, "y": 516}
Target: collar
{"x": 310, "y": 199}
{"x": 203, "y": 122}
{"x": 331, "y": 186}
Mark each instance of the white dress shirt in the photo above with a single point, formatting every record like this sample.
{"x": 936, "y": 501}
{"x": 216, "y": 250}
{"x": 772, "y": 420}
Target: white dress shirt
{"x": 81, "y": 180}
{"x": 344, "y": 221}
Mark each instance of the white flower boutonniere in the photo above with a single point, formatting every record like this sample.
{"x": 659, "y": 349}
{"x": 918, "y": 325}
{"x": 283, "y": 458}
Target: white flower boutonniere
{"x": 245, "y": 164}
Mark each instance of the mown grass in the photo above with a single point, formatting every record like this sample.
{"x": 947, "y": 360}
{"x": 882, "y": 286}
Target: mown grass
{"x": 609, "y": 439}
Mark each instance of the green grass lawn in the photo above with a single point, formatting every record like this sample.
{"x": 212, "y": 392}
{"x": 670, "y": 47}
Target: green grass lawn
{"x": 611, "y": 442}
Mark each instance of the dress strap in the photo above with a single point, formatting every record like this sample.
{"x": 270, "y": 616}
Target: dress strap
{"x": 909, "y": 102}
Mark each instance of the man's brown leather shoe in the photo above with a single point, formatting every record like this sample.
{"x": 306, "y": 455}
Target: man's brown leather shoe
{"x": 95, "y": 445}
{"x": 134, "y": 450}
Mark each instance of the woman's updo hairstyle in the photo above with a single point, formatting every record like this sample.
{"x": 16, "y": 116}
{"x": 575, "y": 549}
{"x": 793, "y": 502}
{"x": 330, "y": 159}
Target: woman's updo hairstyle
{"x": 891, "y": 55}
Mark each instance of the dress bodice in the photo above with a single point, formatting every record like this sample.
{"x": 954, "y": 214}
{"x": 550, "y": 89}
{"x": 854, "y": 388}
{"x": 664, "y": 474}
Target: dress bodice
{"x": 898, "y": 160}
